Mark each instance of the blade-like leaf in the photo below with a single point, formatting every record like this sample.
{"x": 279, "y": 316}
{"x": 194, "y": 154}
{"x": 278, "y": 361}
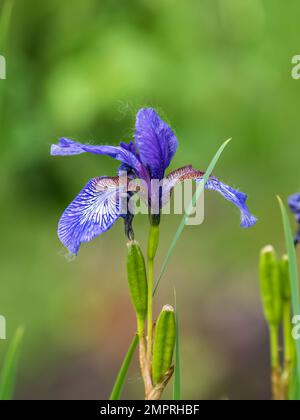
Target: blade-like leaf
{"x": 126, "y": 363}
{"x": 177, "y": 373}
{"x": 5, "y": 18}
{"x": 293, "y": 273}
{"x": 294, "y": 391}
{"x": 118, "y": 386}
{"x": 9, "y": 369}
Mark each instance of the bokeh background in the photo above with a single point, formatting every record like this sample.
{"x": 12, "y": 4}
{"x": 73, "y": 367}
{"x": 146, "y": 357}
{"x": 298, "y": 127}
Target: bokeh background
{"x": 216, "y": 69}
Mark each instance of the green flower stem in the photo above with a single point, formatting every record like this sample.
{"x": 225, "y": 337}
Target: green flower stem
{"x": 289, "y": 348}
{"x": 275, "y": 363}
{"x": 150, "y": 312}
{"x": 152, "y": 248}
{"x": 288, "y": 341}
{"x": 274, "y": 340}
{"x": 146, "y": 374}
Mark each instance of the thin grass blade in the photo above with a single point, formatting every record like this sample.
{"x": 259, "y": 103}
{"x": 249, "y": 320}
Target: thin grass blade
{"x": 9, "y": 369}
{"x": 294, "y": 276}
{"x": 118, "y": 386}
{"x": 295, "y": 387}
{"x": 5, "y": 19}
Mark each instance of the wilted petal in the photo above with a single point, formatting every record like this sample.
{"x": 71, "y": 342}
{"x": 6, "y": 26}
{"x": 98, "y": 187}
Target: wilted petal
{"x": 156, "y": 142}
{"x": 94, "y": 211}
{"x": 67, "y": 147}
{"x": 236, "y": 197}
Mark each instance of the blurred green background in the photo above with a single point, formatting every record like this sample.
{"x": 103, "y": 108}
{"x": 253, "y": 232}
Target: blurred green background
{"x": 216, "y": 69}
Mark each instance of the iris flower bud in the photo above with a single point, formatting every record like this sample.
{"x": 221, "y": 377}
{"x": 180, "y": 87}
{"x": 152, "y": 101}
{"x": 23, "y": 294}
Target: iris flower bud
{"x": 137, "y": 279}
{"x": 285, "y": 278}
{"x": 164, "y": 343}
{"x": 270, "y": 286}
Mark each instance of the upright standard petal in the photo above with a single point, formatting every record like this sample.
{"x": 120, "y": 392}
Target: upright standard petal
{"x": 94, "y": 211}
{"x": 126, "y": 155}
{"x": 236, "y": 197}
{"x": 156, "y": 142}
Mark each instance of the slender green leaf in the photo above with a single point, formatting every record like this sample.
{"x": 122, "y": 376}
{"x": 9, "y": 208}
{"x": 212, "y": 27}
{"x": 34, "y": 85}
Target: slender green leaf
{"x": 177, "y": 373}
{"x": 118, "y": 386}
{"x": 294, "y": 391}
{"x": 9, "y": 370}
{"x": 198, "y": 192}
{"x": 5, "y": 18}
{"x": 294, "y": 277}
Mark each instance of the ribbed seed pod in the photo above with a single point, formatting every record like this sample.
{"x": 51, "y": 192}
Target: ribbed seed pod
{"x": 164, "y": 343}
{"x": 270, "y": 286}
{"x": 137, "y": 279}
{"x": 285, "y": 278}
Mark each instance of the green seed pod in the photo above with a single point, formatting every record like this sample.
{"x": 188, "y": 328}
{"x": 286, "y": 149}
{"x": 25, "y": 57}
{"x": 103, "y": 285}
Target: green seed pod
{"x": 164, "y": 343}
{"x": 285, "y": 278}
{"x": 270, "y": 286}
{"x": 137, "y": 279}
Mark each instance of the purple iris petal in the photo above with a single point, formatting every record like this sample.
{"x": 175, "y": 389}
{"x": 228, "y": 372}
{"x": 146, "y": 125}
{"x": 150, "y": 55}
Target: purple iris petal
{"x": 126, "y": 155}
{"x": 94, "y": 211}
{"x": 294, "y": 204}
{"x": 236, "y": 197}
{"x": 130, "y": 147}
{"x": 155, "y": 141}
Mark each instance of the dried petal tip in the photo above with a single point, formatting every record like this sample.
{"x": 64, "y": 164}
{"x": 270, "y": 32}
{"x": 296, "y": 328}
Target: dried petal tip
{"x": 268, "y": 249}
{"x": 129, "y": 232}
{"x": 168, "y": 308}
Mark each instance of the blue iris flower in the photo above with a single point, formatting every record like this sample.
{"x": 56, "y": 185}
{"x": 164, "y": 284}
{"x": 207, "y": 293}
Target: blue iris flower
{"x": 98, "y": 205}
{"x": 294, "y": 204}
